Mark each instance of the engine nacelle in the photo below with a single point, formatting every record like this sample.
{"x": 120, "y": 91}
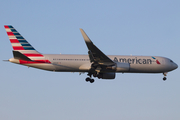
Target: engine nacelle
{"x": 119, "y": 67}
{"x": 107, "y": 75}
{"x": 122, "y": 67}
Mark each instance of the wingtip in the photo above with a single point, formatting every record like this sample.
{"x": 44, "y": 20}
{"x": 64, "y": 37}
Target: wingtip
{"x": 86, "y": 38}
{"x": 81, "y": 29}
{"x": 6, "y": 60}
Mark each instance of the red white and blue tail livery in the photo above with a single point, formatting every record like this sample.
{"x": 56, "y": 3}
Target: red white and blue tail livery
{"x": 96, "y": 63}
{"x": 21, "y": 46}
{"x": 17, "y": 41}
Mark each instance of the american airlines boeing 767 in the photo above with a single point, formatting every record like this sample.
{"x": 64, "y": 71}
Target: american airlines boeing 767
{"x": 96, "y": 63}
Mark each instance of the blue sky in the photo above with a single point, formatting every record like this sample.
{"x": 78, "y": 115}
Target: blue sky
{"x": 118, "y": 28}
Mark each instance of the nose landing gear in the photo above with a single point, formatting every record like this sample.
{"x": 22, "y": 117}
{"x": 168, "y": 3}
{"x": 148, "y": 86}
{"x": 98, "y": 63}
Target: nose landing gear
{"x": 164, "y": 78}
{"x": 165, "y": 74}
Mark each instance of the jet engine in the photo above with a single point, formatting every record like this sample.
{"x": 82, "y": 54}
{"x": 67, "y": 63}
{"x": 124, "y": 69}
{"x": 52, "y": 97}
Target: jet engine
{"x": 122, "y": 67}
{"x": 119, "y": 67}
{"x": 107, "y": 75}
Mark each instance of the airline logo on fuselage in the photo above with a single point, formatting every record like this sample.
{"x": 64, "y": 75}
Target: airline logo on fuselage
{"x": 133, "y": 60}
{"x": 157, "y": 61}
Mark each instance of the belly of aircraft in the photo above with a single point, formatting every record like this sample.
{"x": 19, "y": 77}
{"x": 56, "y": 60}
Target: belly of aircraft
{"x": 146, "y": 68}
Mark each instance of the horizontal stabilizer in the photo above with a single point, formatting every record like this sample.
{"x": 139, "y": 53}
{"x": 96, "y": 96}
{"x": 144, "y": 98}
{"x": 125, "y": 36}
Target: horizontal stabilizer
{"x": 6, "y": 60}
{"x": 20, "y": 56}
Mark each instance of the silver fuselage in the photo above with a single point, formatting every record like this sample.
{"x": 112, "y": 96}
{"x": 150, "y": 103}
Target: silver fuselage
{"x": 81, "y": 63}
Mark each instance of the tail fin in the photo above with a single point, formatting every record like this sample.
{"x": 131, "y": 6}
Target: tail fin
{"x": 17, "y": 41}
{"x": 22, "y": 49}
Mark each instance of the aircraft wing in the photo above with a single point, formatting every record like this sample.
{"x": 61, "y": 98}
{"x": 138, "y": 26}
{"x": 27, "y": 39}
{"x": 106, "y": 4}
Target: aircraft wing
{"x": 96, "y": 55}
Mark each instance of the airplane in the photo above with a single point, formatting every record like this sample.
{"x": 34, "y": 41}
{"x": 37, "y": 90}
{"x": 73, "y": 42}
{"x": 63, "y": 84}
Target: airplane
{"x": 96, "y": 63}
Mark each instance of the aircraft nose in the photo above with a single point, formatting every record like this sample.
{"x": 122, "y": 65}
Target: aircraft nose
{"x": 175, "y": 66}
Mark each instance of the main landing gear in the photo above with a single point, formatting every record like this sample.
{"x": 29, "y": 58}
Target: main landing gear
{"x": 165, "y": 74}
{"x": 89, "y": 79}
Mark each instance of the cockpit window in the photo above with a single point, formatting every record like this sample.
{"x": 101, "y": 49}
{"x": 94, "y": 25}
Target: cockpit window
{"x": 171, "y": 61}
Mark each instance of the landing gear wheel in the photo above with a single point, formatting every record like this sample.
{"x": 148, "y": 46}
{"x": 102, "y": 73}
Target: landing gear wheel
{"x": 92, "y": 80}
{"x": 164, "y": 78}
{"x": 88, "y": 79}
